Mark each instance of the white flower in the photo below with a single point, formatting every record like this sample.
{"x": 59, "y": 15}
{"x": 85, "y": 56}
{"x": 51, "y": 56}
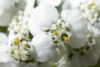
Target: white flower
{"x": 4, "y": 53}
{"x": 95, "y": 31}
{"x": 42, "y": 18}
{"x": 21, "y": 35}
{"x": 7, "y": 14}
{"x": 9, "y": 8}
{"x": 18, "y": 27}
{"x": 78, "y": 26}
{"x": 60, "y": 33}
{"x": 89, "y": 54}
{"x": 96, "y": 25}
{"x": 90, "y": 10}
{"x": 29, "y": 6}
{"x": 3, "y": 38}
{"x": 3, "y": 48}
{"x": 6, "y": 4}
{"x": 22, "y": 50}
{"x": 88, "y": 59}
{"x": 46, "y": 52}
{"x": 70, "y": 4}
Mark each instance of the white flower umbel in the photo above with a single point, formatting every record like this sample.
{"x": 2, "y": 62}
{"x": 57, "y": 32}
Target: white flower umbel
{"x": 46, "y": 52}
{"x": 42, "y": 18}
{"x": 40, "y": 36}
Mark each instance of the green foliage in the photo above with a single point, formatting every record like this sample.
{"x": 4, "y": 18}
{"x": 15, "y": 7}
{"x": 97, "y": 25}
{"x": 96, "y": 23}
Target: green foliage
{"x": 4, "y": 29}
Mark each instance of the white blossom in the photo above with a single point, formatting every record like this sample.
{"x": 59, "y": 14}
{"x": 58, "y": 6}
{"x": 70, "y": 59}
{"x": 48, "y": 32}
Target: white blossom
{"x": 78, "y": 25}
{"x": 42, "y": 18}
{"x": 46, "y": 51}
{"x": 49, "y": 33}
{"x": 8, "y": 9}
{"x": 71, "y": 4}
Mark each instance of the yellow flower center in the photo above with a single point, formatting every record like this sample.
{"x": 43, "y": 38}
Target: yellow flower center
{"x": 92, "y": 6}
{"x": 65, "y": 38}
{"x": 55, "y": 33}
{"x": 16, "y": 41}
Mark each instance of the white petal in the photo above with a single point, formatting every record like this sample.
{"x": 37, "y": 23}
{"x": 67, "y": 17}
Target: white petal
{"x": 70, "y": 4}
{"x": 3, "y": 38}
{"x": 45, "y": 50}
{"x": 78, "y": 27}
{"x": 97, "y": 25}
{"x": 94, "y": 31}
{"x": 50, "y": 2}
{"x": 34, "y": 29}
{"x": 88, "y": 59}
{"x": 43, "y": 16}
{"x": 4, "y": 53}
{"x": 6, "y": 4}
{"x": 29, "y": 5}
{"x": 8, "y": 9}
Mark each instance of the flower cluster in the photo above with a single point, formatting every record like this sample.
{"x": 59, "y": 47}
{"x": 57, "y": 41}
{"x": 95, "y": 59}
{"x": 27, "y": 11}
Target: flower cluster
{"x": 51, "y": 33}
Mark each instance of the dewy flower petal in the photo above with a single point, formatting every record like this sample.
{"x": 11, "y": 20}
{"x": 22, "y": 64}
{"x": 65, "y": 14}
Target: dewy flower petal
{"x": 45, "y": 50}
{"x": 42, "y": 18}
